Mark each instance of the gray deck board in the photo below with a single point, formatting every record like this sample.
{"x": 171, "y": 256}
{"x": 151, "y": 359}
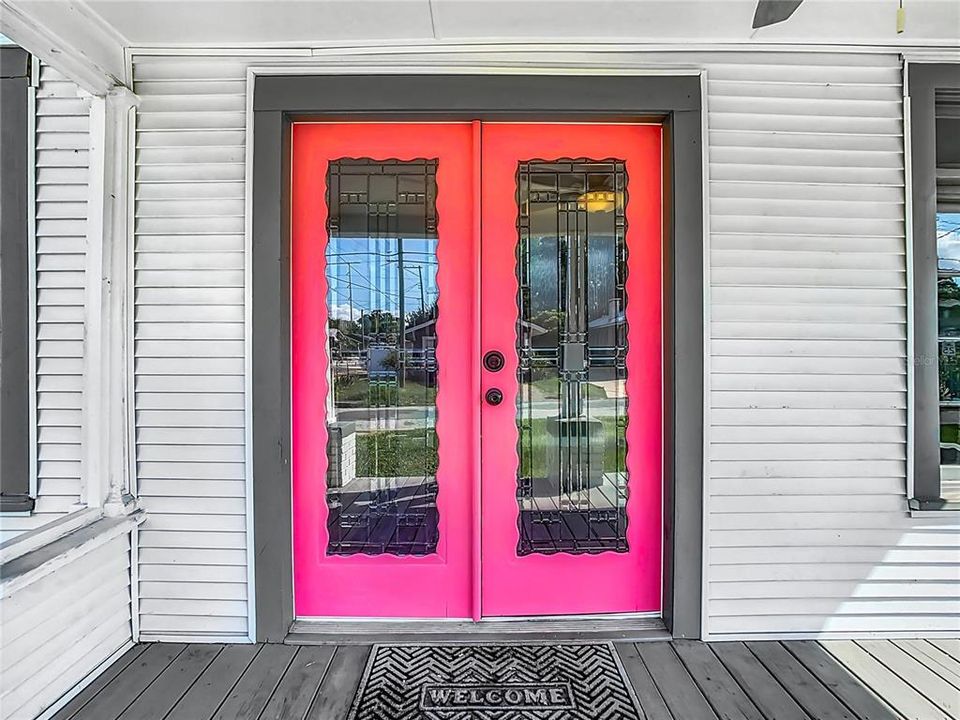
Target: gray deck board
{"x": 723, "y": 693}
{"x": 211, "y": 688}
{"x": 854, "y": 694}
{"x": 651, "y": 701}
{"x": 170, "y": 685}
{"x": 299, "y": 685}
{"x": 676, "y": 680}
{"x": 951, "y": 646}
{"x": 921, "y": 678}
{"x": 253, "y": 691}
{"x": 340, "y": 683}
{"x": 136, "y": 677}
{"x": 884, "y": 681}
{"x": 73, "y": 707}
{"x": 678, "y": 689}
{"x": 808, "y": 692}
{"x": 767, "y": 694}
{"x": 938, "y": 661}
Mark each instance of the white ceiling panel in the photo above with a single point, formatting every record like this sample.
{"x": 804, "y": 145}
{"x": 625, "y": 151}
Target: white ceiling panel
{"x": 318, "y": 23}
{"x": 297, "y": 22}
{"x": 661, "y": 21}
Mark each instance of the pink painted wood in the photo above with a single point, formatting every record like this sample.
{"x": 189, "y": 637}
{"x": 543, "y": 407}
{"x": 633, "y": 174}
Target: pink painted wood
{"x": 384, "y": 585}
{"x": 563, "y": 583}
{"x": 452, "y": 583}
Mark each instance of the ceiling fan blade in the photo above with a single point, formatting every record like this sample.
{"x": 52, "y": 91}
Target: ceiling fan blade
{"x": 770, "y": 12}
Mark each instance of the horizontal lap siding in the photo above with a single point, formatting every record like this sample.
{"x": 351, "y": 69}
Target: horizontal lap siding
{"x": 60, "y": 628}
{"x": 806, "y": 529}
{"x": 189, "y": 349}
{"x": 806, "y": 526}
{"x": 61, "y": 185}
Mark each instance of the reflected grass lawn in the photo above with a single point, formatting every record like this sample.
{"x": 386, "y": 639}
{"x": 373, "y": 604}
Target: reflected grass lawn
{"x": 413, "y": 453}
{"x": 397, "y": 453}
{"x": 538, "y": 443}
{"x": 950, "y": 434}
{"x": 360, "y": 392}
{"x": 549, "y": 388}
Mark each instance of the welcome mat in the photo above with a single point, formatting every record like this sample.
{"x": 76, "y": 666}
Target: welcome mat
{"x": 499, "y": 682}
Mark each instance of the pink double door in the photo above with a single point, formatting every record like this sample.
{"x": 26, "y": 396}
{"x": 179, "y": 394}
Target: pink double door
{"x": 476, "y": 369}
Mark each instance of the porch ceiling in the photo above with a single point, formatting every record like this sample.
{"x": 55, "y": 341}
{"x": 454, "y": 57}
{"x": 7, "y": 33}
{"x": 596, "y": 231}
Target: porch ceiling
{"x": 88, "y": 39}
{"x": 323, "y": 22}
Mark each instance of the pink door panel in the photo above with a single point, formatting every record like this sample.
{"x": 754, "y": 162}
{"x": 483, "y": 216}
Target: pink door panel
{"x": 570, "y": 295}
{"x": 382, "y": 323}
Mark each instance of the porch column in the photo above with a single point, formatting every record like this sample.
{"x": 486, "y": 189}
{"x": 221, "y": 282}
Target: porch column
{"x": 107, "y": 445}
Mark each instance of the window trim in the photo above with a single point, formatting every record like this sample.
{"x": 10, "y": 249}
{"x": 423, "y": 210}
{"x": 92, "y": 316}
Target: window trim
{"x": 18, "y": 489}
{"x": 923, "y": 80}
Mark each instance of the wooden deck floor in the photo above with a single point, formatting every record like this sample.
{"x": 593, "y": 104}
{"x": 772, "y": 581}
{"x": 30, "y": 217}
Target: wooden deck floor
{"x": 680, "y": 680}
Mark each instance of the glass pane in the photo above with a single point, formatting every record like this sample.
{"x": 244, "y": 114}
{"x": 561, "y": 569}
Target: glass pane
{"x": 572, "y": 347}
{"x": 948, "y": 302}
{"x": 382, "y": 301}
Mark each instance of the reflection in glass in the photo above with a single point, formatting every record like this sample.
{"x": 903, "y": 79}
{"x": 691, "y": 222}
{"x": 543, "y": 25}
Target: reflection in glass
{"x": 572, "y": 347}
{"x": 948, "y": 306}
{"x": 382, "y": 303}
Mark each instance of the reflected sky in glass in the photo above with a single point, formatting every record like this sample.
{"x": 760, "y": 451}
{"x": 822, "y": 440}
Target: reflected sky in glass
{"x": 948, "y": 241}
{"x": 364, "y": 275}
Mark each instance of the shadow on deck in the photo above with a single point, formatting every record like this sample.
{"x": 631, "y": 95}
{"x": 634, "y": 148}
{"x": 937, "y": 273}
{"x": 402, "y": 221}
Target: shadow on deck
{"x": 679, "y": 680}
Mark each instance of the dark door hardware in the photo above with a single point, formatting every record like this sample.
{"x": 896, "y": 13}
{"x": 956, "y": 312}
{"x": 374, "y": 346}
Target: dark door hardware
{"x": 494, "y": 396}
{"x": 493, "y": 361}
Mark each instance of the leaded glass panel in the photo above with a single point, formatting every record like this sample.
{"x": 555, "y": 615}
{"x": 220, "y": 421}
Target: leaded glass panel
{"x": 382, "y": 302}
{"x": 572, "y": 348}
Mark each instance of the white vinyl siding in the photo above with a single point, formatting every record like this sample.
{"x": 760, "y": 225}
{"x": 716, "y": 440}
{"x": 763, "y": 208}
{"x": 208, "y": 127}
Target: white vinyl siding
{"x": 806, "y": 529}
{"x": 58, "y": 629}
{"x": 806, "y": 525}
{"x": 189, "y": 351}
{"x": 61, "y": 185}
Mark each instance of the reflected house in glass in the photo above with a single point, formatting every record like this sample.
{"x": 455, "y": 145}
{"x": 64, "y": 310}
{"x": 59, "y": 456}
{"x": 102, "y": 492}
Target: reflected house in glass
{"x": 421, "y": 345}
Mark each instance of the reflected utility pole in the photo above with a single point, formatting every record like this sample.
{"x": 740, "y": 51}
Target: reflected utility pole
{"x": 423, "y": 299}
{"x": 401, "y": 323}
{"x": 350, "y": 289}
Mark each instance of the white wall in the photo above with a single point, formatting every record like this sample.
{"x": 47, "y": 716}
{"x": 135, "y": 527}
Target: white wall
{"x": 806, "y": 523}
{"x": 189, "y": 349}
{"x": 59, "y": 628}
{"x": 61, "y": 188}
{"x": 806, "y": 526}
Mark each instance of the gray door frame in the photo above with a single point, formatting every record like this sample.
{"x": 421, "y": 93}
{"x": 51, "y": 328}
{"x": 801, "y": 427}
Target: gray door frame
{"x": 674, "y": 101}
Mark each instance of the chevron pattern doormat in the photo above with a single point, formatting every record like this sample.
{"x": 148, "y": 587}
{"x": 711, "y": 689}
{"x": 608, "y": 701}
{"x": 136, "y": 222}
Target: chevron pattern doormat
{"x": 495, "y": 682}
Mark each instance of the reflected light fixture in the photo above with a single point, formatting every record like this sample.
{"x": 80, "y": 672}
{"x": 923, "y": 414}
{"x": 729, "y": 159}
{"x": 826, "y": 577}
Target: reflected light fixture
{"x": 598, "y": 201}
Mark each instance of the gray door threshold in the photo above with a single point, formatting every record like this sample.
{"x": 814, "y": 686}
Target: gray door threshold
{"x": 535, "y": 630}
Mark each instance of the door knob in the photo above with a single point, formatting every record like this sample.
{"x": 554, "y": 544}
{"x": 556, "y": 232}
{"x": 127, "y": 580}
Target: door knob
{"x": 494, "y": 396}
{"x": 493, "y": 361}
